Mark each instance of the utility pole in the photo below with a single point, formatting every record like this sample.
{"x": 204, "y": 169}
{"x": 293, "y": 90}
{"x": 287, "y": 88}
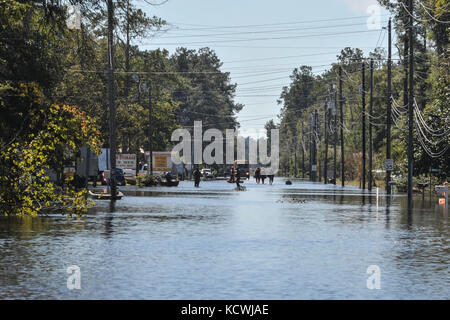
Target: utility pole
{"x": 303, "y": 152}
{"x": 370, "y": 126}
{"x": 389, "y": 109}
{"x": 295, "y": 155}
{"x": 363, "y": 100}
{"x": 311, "y": 148}
{"x": 335, "y": 134}
{"x": 150, "y": 130}
{"x": 405, "y": 70}
{"x": 411, "y": 103}
{"x": 112, "y": 107}
{"x": 125, "y": 141}
{"x": 315, "y": 145}
{"x": 341, "y": 107}
{"x": 326, "y": 123}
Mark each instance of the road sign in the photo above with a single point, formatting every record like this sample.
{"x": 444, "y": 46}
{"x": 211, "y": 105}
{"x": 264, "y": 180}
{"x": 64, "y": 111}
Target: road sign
{"x": 436, "y": 170}
{"x": 314, "y": 167}
{"x": 389, "y": 164}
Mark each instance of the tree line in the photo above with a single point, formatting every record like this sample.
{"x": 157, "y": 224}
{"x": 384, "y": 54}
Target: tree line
{"x": 308, "y": 92}
{"x": 54, "y": 99}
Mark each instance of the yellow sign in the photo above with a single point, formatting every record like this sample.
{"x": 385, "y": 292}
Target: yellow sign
{"x": 160, "y": 161}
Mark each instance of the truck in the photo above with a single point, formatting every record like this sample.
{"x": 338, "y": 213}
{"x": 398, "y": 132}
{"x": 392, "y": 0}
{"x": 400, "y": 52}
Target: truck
{"x": 162, "y": 163}
{"x": 244, "y": 168}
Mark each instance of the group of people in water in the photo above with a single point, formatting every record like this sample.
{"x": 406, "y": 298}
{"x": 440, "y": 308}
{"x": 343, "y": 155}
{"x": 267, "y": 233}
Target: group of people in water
{"x": 260, "y": 177}
{"x": 235, "y": 176}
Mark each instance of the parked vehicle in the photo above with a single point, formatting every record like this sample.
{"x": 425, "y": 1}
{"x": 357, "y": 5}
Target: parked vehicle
{"x": 207, "y": 174}
{"x": 244, "y": 168}
{"x": 167, "y": 180}
{"x": 161, "y": 163}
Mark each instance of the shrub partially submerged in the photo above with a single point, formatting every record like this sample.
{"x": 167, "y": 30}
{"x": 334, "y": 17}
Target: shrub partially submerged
{"x": 146, "y": 181}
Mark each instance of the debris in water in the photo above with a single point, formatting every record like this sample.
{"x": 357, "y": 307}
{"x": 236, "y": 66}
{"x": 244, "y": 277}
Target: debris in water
{"x": 292, "y": 200}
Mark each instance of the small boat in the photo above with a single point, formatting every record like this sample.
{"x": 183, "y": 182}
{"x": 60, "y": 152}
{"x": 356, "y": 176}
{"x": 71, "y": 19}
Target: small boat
{"x": 104, "y": 196}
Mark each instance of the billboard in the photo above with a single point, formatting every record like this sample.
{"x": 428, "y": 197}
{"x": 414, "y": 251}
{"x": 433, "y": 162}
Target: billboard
{"x": 126, "y": 161}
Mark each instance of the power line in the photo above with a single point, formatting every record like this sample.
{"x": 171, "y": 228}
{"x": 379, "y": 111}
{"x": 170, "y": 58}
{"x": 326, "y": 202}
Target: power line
{"x": 263, "y": 39}
{"x": 430, "y": 15}
{"x": 209, "y": 27}
{"x": 261, "y": 31}
{"x": 281, "y": 57}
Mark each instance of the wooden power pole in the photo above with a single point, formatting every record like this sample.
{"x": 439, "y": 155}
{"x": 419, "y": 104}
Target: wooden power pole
{"x": 363, "y": 117}
{"x": 303, "y": 152}
{"x": 335, "y": 126}
{"x": 112, "y": 107}
{"x": 370, "y": 126}
{"x": 389, "y": 109}
{"x": 341, "y": 107}
{"x": 326, "y": 123}
{"x": 411, "y": 104}
{"x": 150, "y": 130}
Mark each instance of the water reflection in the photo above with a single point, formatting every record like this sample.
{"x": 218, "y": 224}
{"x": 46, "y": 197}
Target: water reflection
{"x": 112, "y": 205}
{"x": 108, "y": 225}
{"x": 271, "y": 242}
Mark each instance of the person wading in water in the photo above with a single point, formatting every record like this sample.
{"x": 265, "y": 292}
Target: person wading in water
{"x": 238, "y": 178}
{"x": 258, "y": 175}
{"x": 197, "y": 176}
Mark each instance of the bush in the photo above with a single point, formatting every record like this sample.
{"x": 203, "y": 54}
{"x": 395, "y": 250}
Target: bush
{"x": 146, "y": 181}
{"x": 402, "y": 184}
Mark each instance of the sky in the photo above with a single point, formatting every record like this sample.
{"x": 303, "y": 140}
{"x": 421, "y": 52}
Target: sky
{"x": 260, "y": 42}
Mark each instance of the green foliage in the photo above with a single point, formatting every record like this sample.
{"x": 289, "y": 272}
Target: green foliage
{"x": 432, "y": 92}
{"x": 25, "y": 186}
{"x": 37, "y": 137}
{"x": 206, "y": 93}
{"x": 146, "y": 181}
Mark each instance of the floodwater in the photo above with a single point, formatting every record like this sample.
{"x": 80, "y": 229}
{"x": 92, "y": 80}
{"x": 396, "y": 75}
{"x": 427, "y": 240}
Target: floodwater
{"x": 304, "y": 241}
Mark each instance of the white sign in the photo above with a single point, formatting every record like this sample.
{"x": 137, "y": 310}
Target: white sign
{"x": 314, "y": 167}
{"x": 389, "y": 164}
{"x": 126, "y": 161}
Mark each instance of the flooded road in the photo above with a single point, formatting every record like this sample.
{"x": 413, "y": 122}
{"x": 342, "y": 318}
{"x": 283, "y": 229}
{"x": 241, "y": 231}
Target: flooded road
{"x": 304, "y": 241}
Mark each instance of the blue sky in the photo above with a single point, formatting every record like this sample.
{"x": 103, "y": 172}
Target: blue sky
{"x": 291, "y": 32}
